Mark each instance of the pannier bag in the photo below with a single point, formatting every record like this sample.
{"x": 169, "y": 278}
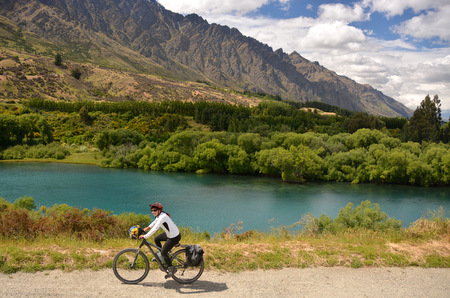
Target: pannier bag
{"x": 194, "y": 254}
{"x": 135, "y": 232}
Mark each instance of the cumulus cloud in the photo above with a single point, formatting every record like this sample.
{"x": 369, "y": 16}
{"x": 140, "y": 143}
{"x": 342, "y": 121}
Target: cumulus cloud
{"x": 341, "y": 12}
{"x": 399, "y": 68}
{"x": 415, "y": 74}
{"x": 397, "y": 7}
{"x": 428, "y": 25}
{"x": 334, "y": 35}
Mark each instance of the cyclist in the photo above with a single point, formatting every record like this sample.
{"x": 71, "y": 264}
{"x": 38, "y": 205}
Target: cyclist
{"x": 171, "y": 234}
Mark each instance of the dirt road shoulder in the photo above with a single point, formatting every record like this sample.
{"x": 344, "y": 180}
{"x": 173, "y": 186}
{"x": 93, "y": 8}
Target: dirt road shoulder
{"x": 289, "y": 282}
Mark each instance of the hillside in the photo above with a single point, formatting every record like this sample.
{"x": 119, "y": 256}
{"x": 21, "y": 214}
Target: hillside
{"x": 141, "y": 36}
{"x": 25, "y": 76}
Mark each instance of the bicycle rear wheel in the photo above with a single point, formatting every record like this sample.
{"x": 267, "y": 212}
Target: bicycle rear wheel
{"x": 131, "y": 266}
{"x": 185, "y": 273}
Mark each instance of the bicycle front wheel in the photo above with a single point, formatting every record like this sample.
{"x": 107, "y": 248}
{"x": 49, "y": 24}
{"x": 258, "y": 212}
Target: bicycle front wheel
{"x": 131, "y": 266}
{"x": 184, "y": 272}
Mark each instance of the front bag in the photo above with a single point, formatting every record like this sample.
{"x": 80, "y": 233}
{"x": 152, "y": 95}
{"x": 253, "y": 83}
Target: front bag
{"x": 135, "y": 232}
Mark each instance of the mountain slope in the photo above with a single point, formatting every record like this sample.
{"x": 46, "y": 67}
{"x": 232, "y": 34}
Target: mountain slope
{"x": 141, "y": 35}
{"x": 25, "y": 76}
{"x": 338, "y": 88}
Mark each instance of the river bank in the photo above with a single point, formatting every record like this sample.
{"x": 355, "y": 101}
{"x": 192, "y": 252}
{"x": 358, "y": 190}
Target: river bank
{"x": 288, "y": 282}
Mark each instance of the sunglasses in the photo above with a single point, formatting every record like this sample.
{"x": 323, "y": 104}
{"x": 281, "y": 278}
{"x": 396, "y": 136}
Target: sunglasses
{"x": 154, "y": 210}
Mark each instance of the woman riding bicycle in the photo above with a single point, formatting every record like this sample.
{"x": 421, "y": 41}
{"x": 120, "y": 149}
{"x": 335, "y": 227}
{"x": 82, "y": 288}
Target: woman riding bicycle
{"x": 171, "y": 234}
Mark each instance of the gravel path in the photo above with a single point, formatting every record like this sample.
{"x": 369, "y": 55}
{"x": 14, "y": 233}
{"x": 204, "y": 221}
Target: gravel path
{"x": 311, "y": 282}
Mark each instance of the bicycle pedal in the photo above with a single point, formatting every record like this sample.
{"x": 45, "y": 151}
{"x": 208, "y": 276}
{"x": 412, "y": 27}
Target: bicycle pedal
{"x": 167, "y": 276}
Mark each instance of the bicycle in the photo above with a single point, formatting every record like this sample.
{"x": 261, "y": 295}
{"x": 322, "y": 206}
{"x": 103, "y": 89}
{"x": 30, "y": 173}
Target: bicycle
{"x": 132, "y": 266}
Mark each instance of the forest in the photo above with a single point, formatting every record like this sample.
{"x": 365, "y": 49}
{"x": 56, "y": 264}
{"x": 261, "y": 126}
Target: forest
{"x": 296, "y": 142}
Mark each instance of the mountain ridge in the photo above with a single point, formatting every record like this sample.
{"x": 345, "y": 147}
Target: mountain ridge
{"x": 143, "y": 35}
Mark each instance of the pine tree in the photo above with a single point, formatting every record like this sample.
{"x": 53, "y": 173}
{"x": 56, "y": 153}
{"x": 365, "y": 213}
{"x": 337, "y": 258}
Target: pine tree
{"x": 58, "y": 60}
{"x": 425, "y": 123}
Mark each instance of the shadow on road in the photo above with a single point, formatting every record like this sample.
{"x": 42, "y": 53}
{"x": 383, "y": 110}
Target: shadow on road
{"x": 197, "y": 287}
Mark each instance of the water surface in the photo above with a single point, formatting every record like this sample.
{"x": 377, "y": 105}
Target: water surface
{"x": 208, "y": 202}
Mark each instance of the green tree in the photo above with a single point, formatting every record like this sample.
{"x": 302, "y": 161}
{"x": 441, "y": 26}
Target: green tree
{"x": 445, "y": 132}
{"x": 10, "y": 131}
{"x": 299, "y": 163}
{"x": 264, "y": 161}
{"x": 362, "y": 120}
{"x": 437, "y": 156}
{"x": 45, "y": 130}
{"x": 425, "y": 122}
{"x": 58, "y": 60}
{"x": 363, "y": 138}
{"x": 28, "y": 123}
{"x": 76, "y": 73}
{"x": 117, "y": 137}
{"x": 250, "y": 142}
{"x": 238, "y": 160}
{"x": 184, "y": 142}
{"x": 346, "y": 166}
{"x": 211, "y": 156}
{"x": 84, "y": 116}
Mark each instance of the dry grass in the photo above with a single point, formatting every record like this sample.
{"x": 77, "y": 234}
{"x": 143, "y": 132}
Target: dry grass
{"x": 260, "y": 251}
{"x": 426, "y": 243}
{"x": 417, "y": 251}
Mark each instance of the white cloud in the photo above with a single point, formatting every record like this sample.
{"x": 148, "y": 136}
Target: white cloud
{"x": 284, "y": 4}
{"x": 399, "y": 68}
{"x": 333, "y": 35}
{"x": 427, "y": 25}
{"x": 203, "y": 7}
{"x": 341, "y": 12}
{"x": 397, "y": 7}
{"x": 415, "y": 74}
{"x": 287, "y": 34}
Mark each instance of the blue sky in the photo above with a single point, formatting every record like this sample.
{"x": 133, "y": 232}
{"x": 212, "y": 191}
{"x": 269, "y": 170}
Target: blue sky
{"x": 400, "y": 47}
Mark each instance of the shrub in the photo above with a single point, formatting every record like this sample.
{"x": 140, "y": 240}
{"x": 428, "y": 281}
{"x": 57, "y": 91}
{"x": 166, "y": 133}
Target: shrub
{"x": 4, "y": 204}
{"x": 15, "y": 222}
{"x": 25, "y": 202}
{"x": 365, "y": 216}
{"x": 19, "y": 220}
{"x": 16, "y": 152}
{"x": 76, "y": 73}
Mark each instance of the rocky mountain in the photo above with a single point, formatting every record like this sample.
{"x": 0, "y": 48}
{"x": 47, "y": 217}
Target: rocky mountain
{"x": 141, "y": 35}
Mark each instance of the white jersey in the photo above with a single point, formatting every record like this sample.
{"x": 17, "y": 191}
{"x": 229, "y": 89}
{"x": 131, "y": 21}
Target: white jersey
{"x": 165, "y": 222}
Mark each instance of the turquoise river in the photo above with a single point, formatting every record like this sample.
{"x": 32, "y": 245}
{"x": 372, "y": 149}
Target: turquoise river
{"x": 208, "y": 202}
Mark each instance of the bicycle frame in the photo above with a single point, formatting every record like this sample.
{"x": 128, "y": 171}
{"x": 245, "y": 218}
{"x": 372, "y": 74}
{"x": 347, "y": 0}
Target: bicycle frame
{"x": 150, "y": 245}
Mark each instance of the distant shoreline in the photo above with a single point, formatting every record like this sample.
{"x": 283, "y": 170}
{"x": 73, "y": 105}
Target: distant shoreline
{"x": 28, "y": 160}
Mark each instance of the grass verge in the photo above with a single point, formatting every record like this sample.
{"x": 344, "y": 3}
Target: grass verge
{"x": 352, "y": 248}
{"x": 86, "y": 158}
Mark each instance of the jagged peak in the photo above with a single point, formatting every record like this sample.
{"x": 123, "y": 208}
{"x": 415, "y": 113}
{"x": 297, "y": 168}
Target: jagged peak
{"x": 187, "y": 48}
{"x": 195, "y": 18}
{"x": 279, "y": 52}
